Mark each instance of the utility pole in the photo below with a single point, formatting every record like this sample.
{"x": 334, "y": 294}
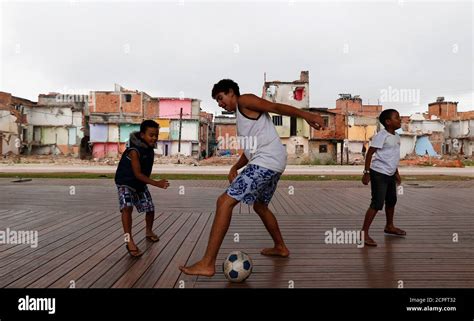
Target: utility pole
{"x": 179, "y": 137}
{"x": 346, "y": 149}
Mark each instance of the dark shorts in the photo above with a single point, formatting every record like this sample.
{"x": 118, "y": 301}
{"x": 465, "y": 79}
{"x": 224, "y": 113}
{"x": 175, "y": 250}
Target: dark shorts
{"x": 128, "y": 197}
{"x": 254, "y": 184}
{"x": 384, "y": 190}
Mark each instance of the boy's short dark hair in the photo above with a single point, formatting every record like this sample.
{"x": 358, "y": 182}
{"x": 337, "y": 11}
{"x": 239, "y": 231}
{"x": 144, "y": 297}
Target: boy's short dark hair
{"x": 148, "y": 124}
{"x": 223, "y": 86}
{"x": 385, "y": 115}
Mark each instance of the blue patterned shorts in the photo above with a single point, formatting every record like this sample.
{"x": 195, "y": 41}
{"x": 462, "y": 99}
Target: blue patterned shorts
{"x": 141, "y": 200}
{"x": 254, "y": 184}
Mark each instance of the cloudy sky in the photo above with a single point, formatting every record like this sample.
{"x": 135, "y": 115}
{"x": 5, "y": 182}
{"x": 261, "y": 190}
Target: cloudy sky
{"x": 402, "y": 53}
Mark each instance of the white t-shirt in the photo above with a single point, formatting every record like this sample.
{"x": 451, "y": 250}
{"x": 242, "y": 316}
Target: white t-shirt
{"x": 387, "y": 155}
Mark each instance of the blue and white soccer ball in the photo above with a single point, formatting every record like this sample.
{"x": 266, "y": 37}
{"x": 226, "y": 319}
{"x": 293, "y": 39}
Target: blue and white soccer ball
{"x": 237, "y": 266}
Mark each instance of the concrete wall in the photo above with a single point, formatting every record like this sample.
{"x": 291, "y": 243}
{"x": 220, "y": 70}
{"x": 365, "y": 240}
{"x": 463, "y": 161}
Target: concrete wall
{"x": 292, "y": 142}
{"x": 160, "y": 148}
{"x": 407, "y": 145}
{"x": 195, "y": 108}
{"x": 126, "y": 129}
{"x": 284, "y": 129}
{"x": 53, "y": 116}
{"x": 315, "y": 154}
{"x": 425, "y": 126}
{"x": 186, "y": 148}
{"x": 189, "y": 130}
{"x": 98, "y": 133}
{"x": 287, "y": 94}
{"x": 8, "y": 133}
{"x": 461, "y": 128}
{"x": 355, "y": 147}
{"x": 170, "y": 108}
{"x": 101, "y": 150}
{"x": 361, "y": 133}
{"x": 45, "y": 140}
{"x": 113, "y": 133}
{"x": 60, "y": 126}
{"x": 467, "y": 147}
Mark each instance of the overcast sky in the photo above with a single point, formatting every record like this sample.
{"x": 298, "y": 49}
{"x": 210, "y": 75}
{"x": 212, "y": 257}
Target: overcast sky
{"x": 374, "y": 49}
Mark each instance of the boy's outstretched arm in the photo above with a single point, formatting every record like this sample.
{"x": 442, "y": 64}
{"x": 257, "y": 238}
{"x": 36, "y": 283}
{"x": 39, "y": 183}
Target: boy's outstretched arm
{"x": 137, "y": 171}
{"x": 240, "y": 163}
{"x": 368, "y": 160}
{"x": 255, "y": 103}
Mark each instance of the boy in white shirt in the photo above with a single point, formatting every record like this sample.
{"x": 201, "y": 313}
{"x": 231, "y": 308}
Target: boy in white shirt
{"x": 382, "y": 172}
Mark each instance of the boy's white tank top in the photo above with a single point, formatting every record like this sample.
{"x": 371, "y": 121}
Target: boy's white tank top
{"x": 261, "y": 143}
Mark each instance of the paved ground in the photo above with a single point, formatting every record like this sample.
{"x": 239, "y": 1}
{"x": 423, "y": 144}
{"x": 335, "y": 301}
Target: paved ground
{"x": 187, "y": 169}
{"x": 80, "y": 236}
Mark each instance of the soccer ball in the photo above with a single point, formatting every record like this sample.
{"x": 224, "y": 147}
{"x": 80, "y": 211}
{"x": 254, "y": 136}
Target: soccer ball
{"x": 237, "y": 266}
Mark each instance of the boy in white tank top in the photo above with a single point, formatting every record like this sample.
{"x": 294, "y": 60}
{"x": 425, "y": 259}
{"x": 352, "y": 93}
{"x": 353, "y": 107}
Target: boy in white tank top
{"x": 264, "y": 163}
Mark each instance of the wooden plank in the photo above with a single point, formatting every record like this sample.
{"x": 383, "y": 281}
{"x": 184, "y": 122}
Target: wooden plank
{"x": 62, "y": 255}
{"x": 108, "y": 271}
{"x": 139, "y": 271}
{"x": 106, "y": 249}
{"x": 25, "y": 265}
{"x": 196, "y": 254}
{"x": 170, "y": 275}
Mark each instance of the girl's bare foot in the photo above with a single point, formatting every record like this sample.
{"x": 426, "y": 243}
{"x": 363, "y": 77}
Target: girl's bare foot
{"x": 276, "y": 251}
{"x": 199, "y": 268}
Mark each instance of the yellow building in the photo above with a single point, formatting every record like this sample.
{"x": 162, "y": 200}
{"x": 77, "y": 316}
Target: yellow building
{"x": 164, "y": 129}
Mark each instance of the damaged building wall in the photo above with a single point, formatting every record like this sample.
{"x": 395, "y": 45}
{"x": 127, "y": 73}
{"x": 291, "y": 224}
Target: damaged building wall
{"x": 323, "y": 143}
{"x": 296, "y": 147}
{"x": 295, "y": 94}
{"x": 423, "y": 147}
{"x": 293, "y": 131}
{"x": 323, "y": 151}
{"x": 459, "y": 137}
{"x": 407, "y": 144}
{"x": 9, "y": 138}
{"x": 425, "y": 126}
{"x": 360, "y": 129}
{"x": 53, "y": 129}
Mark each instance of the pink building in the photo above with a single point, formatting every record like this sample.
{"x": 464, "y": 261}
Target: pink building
{"x": 170, "y": 108}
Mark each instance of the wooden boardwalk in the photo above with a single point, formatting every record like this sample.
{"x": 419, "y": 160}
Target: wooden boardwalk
{"x": 81, "y": 238}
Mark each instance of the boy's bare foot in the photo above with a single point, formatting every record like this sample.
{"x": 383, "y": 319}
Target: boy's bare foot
{"x": 369, "y": 241}
{"x": 199, "y": 268}
{"x": 392, "y": 230}
{"x": 276, "y": 251}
